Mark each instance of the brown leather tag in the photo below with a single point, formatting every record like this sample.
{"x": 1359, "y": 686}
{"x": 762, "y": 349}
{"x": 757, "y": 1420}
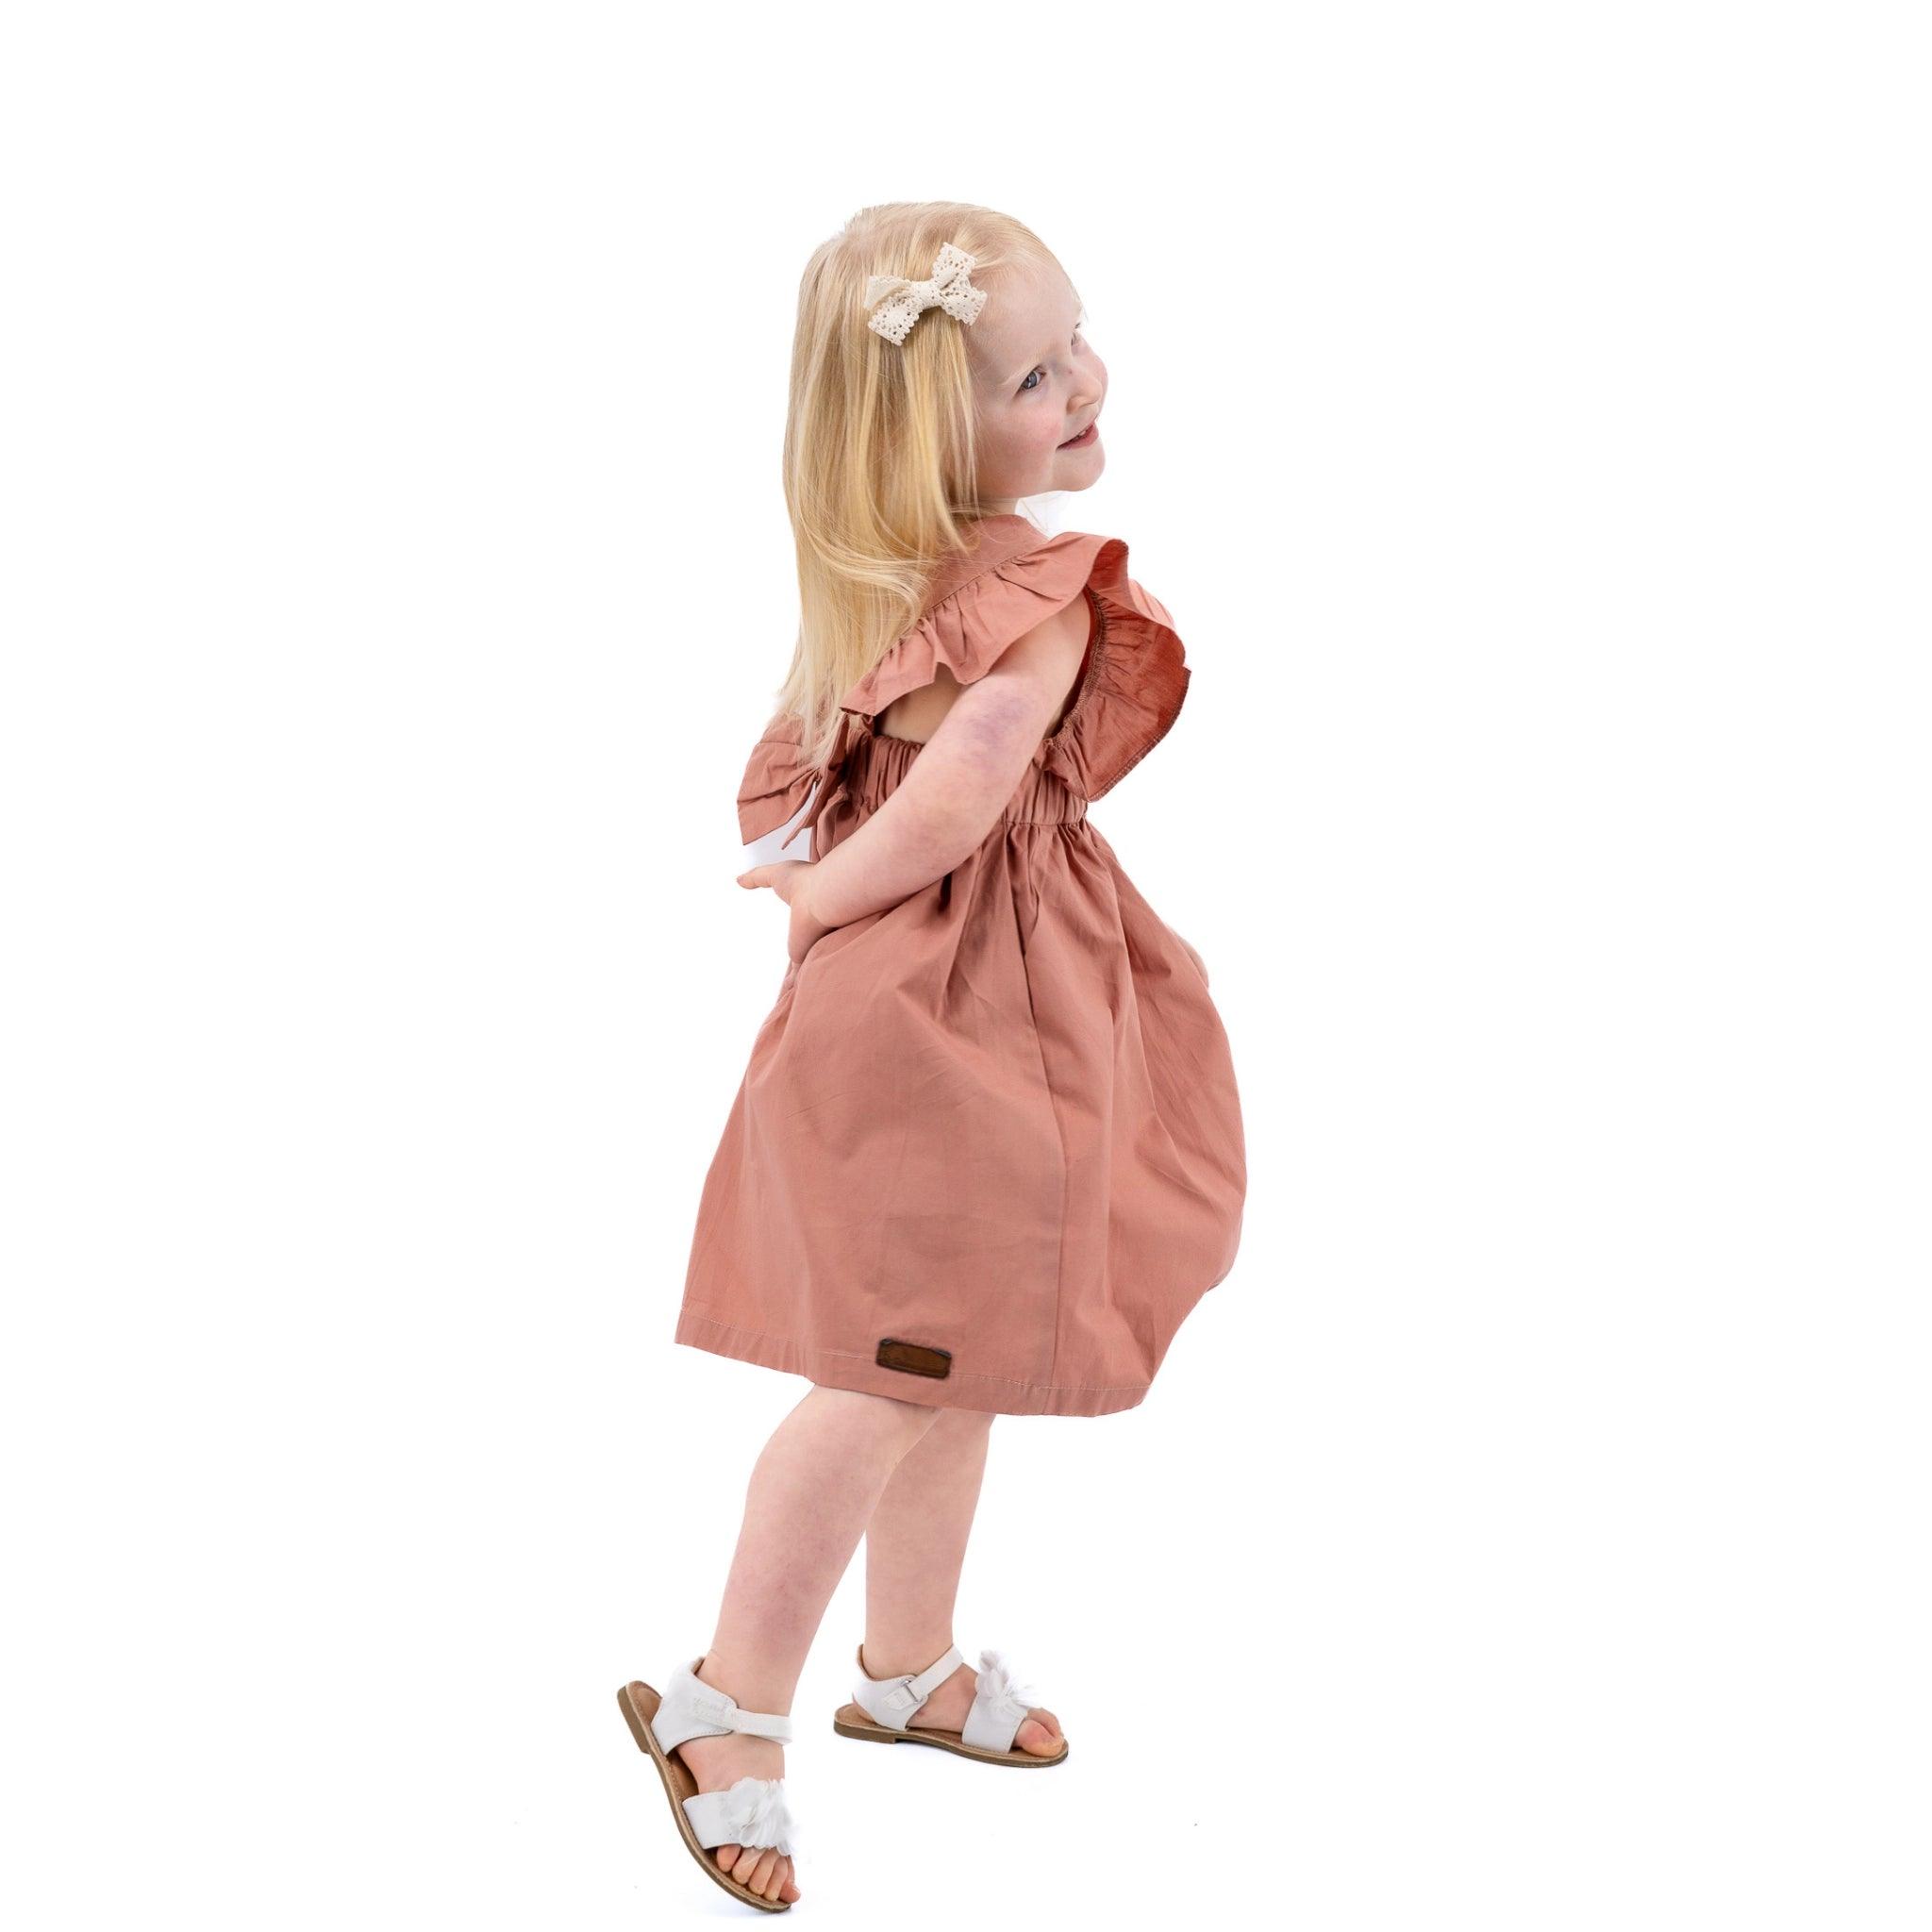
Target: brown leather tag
{"x": 914, "y": 1357}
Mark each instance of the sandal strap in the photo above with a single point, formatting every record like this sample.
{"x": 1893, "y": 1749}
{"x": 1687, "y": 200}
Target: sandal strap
{"x": 751, "y": 1812}
{"x": 1000, "y": 1704}
{"x": 693, "y": 1708}
{"x": 893, "y": 1701}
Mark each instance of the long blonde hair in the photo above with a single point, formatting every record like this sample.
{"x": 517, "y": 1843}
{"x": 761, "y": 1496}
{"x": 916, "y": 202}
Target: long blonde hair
{"x": 881, "y": 459}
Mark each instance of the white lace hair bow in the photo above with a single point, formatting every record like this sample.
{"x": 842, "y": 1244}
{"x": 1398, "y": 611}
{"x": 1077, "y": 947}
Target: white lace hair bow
{"x": 896, "y": 304}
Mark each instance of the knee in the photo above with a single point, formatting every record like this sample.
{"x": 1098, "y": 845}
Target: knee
{"x": 907, "y": 1420}
{"x": 901, "y": 1423}
{"x": 963, "y": 1421}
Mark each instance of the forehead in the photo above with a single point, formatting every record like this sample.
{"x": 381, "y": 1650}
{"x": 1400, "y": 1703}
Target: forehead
{"x": 1028, "y": 310}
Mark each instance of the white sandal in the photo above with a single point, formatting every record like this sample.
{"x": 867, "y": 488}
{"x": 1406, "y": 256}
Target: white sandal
{"x": 883, "y": 1713}
{"x": 750, "y": 1812}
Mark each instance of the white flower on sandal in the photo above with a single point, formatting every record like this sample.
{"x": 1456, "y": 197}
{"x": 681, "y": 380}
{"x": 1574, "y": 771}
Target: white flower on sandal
{"x": 998, "y": 1684}
{"x": 756, "y": 1813}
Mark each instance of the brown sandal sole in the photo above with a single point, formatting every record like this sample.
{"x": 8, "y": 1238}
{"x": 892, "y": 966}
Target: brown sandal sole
{"x": 853, "y": 1721}
{"x": 639, "y": 1703}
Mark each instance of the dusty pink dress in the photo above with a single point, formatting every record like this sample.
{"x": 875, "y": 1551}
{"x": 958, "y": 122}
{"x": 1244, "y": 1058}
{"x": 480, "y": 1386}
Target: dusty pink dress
{"x": 988, "y": 1153}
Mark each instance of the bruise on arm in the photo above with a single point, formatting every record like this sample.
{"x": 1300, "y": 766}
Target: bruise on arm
{"x": 954, "y": 790}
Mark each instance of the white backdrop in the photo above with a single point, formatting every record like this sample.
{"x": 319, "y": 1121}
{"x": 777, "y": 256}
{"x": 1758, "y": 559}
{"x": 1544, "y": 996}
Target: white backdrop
{"x": 1524, "y": 410}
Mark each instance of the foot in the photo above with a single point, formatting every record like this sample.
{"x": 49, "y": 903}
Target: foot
{"x": 945, "y": 1709}
{"x": 718, "y": 1763}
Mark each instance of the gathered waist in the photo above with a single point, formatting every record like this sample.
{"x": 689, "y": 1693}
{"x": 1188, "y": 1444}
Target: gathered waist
{"x": 878, "y": 764}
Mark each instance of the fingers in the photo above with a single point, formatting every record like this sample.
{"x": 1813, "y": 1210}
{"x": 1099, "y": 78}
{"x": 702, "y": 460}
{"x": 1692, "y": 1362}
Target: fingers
{"x": 768, "y": 875}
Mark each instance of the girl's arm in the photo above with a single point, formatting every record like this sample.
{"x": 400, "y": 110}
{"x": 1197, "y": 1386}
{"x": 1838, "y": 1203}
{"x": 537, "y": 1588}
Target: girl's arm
{"x": 952, "y": 794}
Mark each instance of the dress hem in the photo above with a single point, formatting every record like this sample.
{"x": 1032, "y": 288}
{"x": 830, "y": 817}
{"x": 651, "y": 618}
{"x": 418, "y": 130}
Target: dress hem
{"x": 833, "y": 1368}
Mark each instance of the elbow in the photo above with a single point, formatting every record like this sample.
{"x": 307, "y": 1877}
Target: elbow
{"x": 984, "y": 776}
{"x": 960, "y": 785}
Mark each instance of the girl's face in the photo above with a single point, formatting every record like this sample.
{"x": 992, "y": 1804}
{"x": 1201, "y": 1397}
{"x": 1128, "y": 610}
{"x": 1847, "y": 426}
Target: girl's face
{"x": 1039, "y": 388}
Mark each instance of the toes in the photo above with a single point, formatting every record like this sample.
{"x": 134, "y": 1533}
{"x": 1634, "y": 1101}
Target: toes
{"x": 760, "y": 1869}
{"x": 1039, "y": 1733}
{"x": 777, "y": 1883}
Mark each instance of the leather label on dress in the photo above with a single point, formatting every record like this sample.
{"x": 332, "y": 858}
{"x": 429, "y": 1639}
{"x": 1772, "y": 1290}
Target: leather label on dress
{"x": 914, "y": 1357}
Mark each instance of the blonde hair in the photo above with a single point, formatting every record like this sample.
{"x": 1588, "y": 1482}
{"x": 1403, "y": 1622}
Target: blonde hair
{"x": 880, "y": 459}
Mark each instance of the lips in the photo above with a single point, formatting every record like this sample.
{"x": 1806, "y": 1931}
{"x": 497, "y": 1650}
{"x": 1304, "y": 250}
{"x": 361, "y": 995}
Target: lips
{"x": 1085, "y": 437}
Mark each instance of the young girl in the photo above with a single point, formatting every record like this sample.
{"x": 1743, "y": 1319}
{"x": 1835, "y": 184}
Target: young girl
{"x": 988, "y": 1153}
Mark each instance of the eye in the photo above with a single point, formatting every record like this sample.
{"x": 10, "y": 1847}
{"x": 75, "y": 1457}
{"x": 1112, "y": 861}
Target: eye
{"x": 1029, "y": 384}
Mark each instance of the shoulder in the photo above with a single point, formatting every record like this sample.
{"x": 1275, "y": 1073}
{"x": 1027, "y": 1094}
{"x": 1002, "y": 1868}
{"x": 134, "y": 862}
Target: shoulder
{"x": 1018, "y": 587}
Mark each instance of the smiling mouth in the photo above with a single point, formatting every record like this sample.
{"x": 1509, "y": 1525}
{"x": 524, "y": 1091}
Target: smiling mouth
{"x": 1088, "y": 434}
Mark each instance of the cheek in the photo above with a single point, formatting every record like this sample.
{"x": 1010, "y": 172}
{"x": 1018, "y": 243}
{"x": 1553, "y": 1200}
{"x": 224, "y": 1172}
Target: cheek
{"x": 1027, "y": 435}
{"x": 1022, "y": 438}
{"x": 1048, "y": 430}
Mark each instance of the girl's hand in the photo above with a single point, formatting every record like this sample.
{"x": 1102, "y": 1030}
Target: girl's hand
{"x": 791, "y": 878}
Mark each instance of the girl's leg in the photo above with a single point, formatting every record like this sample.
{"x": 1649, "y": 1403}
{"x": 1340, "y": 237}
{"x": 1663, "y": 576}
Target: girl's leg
{"x": 815, "y": 1483}
{"x": 915, "y": 1546}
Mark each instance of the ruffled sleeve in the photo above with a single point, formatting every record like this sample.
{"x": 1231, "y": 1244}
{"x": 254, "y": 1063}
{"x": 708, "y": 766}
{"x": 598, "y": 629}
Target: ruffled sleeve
{"x": 777, "y": 778}
{"x": 969, "y": 628}
{"x": 1135, "y": 687}
{"x": 1135, "y": 682}
{"x": 1137, "y": 676}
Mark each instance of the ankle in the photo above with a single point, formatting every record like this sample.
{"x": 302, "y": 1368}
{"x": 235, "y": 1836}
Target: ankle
{"x": 875, "y": 1659}
{"x": 743, "y": 1687}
